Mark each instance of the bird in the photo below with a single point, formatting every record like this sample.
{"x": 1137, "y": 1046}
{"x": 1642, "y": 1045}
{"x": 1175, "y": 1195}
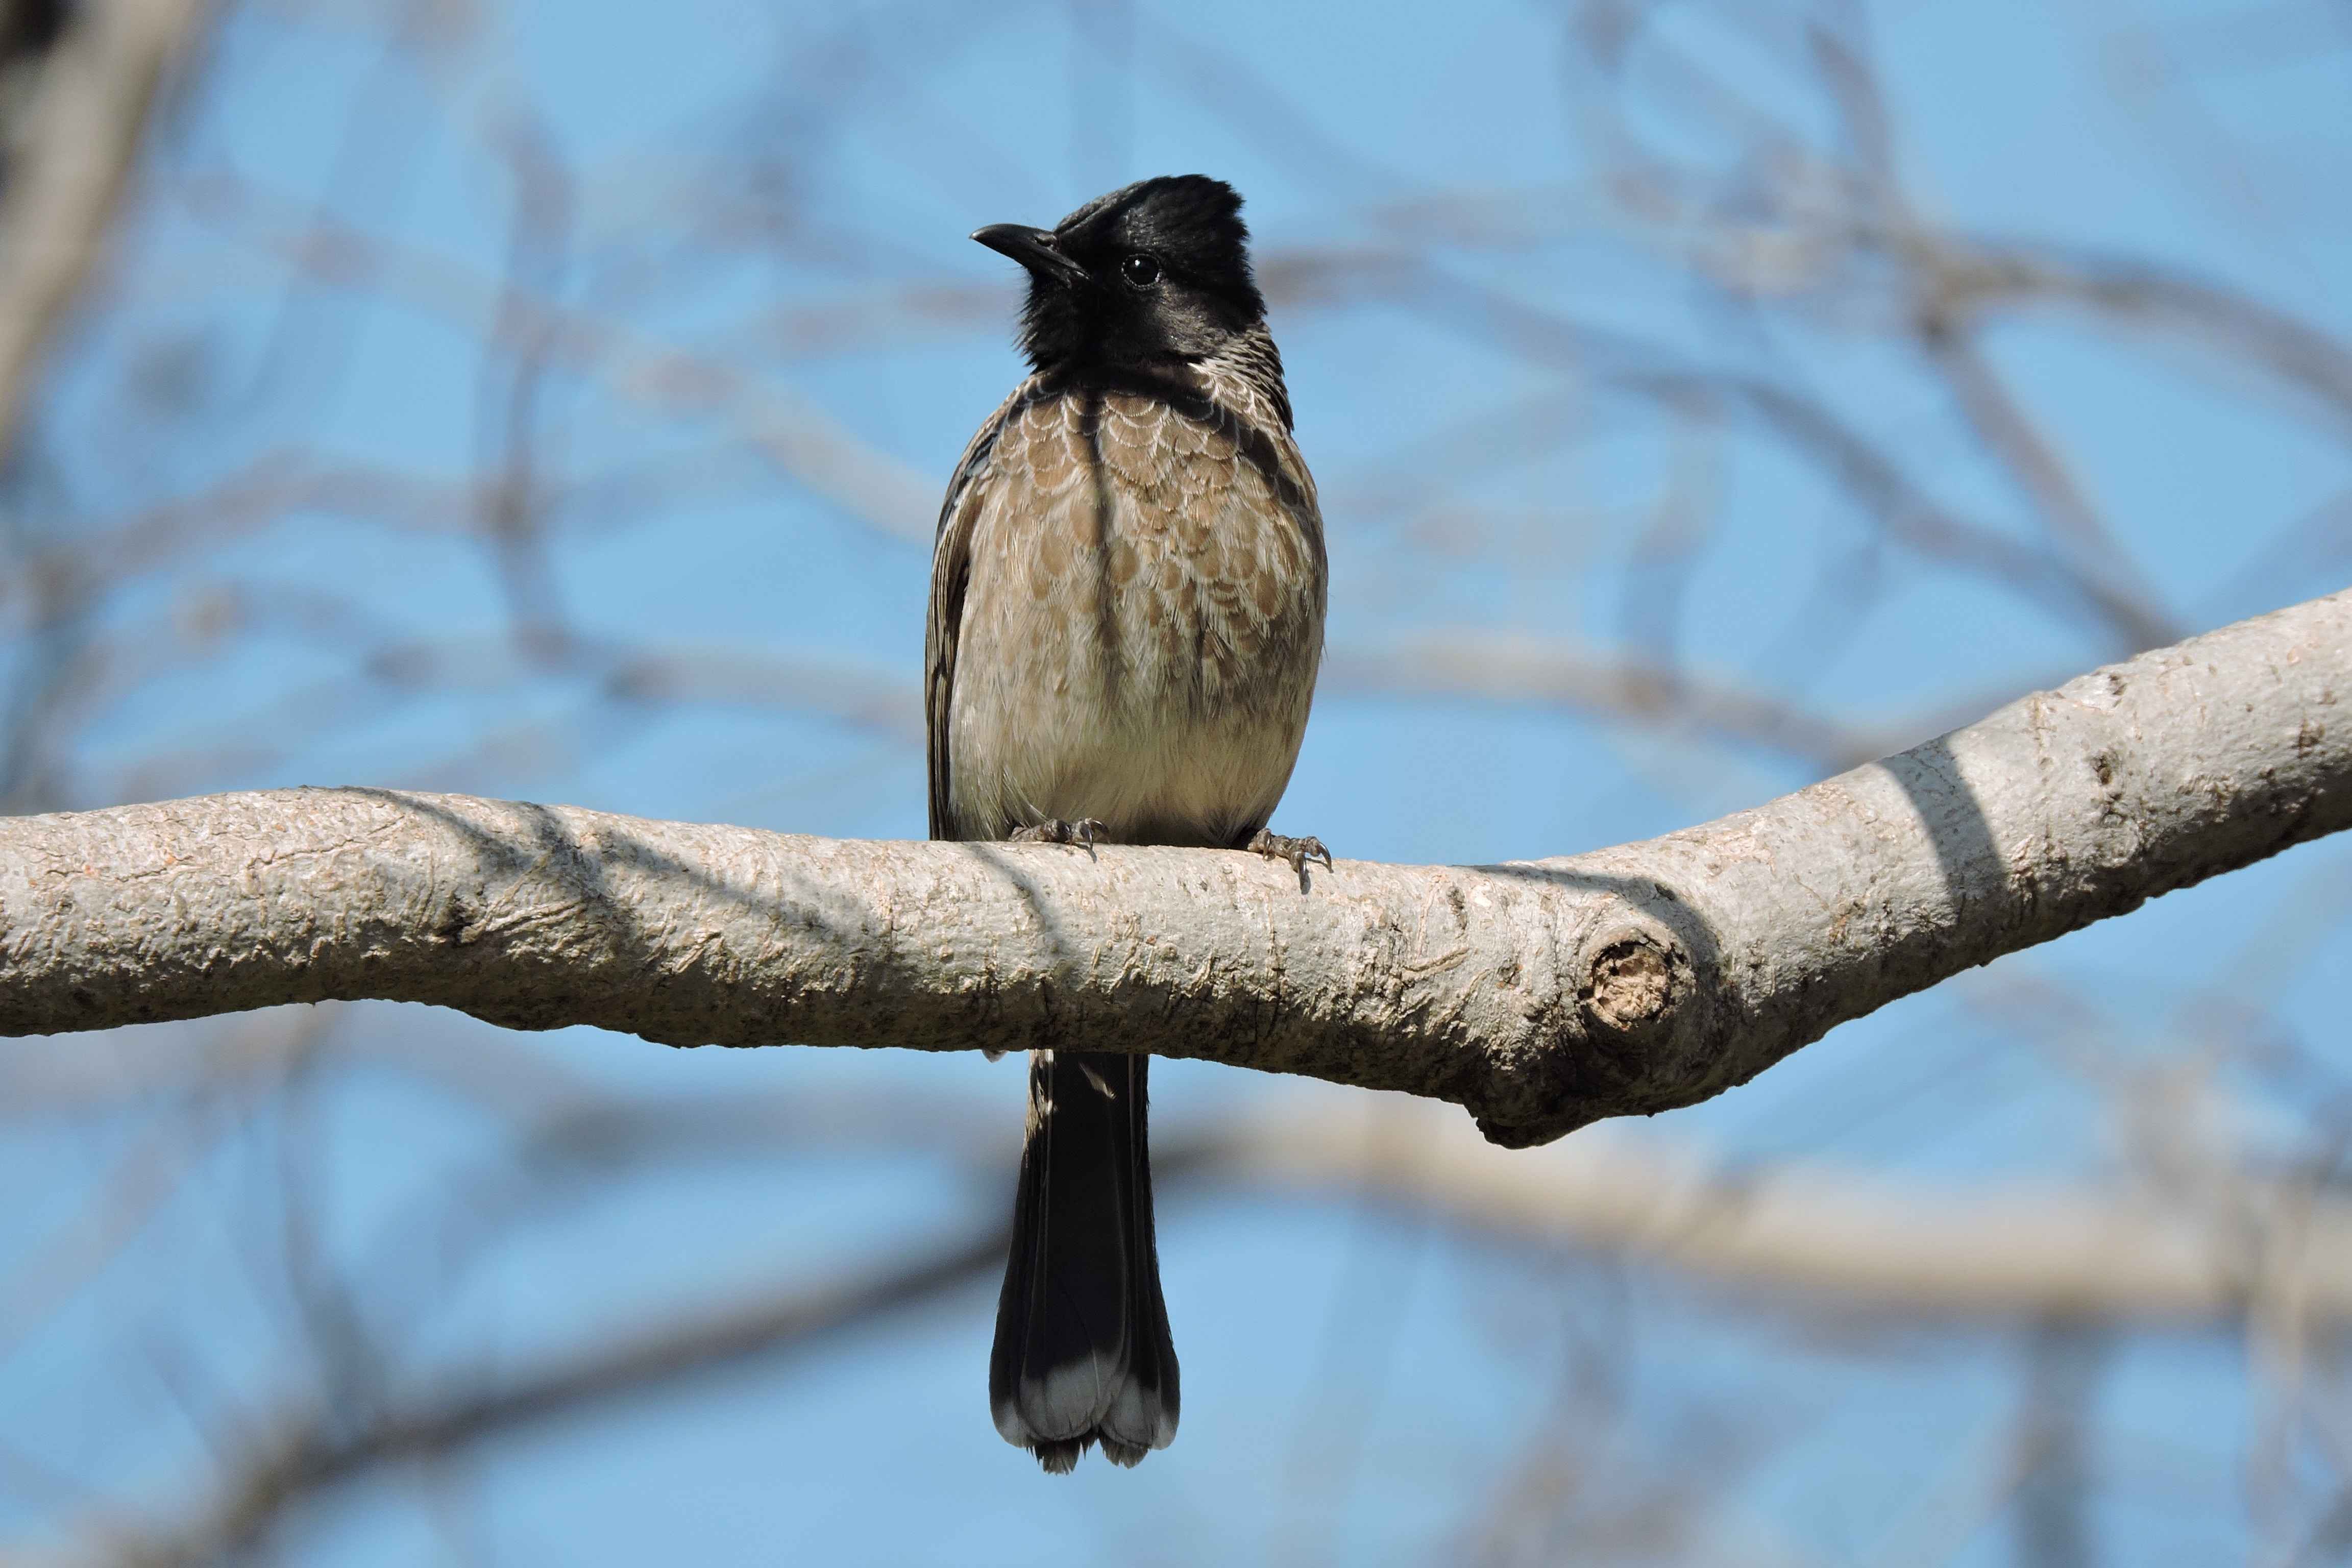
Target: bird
{"x": 1126, "y": 604}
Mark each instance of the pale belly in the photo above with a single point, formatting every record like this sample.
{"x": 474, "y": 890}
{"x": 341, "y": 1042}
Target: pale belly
{"x": 1140, "y": 632}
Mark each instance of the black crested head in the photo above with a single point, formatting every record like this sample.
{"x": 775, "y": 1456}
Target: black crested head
{"x": 1156, "y": 272}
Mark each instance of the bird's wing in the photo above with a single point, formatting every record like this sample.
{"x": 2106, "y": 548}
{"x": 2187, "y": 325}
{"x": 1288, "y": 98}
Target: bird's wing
{"x": 951, "y": 570}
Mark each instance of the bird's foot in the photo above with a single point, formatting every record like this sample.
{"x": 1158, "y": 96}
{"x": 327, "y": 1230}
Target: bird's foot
{"x": 1086, "y": 832}
{"x": 1298, "y": 851}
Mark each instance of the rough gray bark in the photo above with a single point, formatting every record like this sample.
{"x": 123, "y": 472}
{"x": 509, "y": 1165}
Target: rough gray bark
{"x": 1541, "y": 995}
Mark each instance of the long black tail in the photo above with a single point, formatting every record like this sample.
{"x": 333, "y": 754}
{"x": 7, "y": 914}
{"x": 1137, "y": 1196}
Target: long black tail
{"x": 1082, "y": 1348}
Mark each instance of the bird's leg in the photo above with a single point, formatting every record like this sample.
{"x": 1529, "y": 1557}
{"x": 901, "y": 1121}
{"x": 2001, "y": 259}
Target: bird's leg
{"x": 1298, "y": 851}
{"x": 1084, "y": 833}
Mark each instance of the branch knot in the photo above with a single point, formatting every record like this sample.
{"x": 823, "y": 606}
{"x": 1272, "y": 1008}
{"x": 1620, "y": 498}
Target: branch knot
{"x": 1633, "y": 980}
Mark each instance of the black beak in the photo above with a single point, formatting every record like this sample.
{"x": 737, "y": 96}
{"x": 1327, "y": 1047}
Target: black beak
{"x": 1038, "y": 250}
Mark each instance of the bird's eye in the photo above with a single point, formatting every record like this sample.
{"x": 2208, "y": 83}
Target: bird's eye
{"x": 1141, "y": 271}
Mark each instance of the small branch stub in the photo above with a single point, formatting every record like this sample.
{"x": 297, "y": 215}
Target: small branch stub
{"x": 1633, "y": 984}
{"x": 1630, "y": 987}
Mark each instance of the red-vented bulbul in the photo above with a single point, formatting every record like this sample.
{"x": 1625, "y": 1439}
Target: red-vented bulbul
{"x": 1127, "y": 614}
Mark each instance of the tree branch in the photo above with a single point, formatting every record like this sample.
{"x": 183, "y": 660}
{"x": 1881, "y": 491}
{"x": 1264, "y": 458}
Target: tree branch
{"x": 94, "y": 105}
{"x": 310, "y": 1449}
{"x": 1847, "y": 1240}
{"x": 1541, "y": 995}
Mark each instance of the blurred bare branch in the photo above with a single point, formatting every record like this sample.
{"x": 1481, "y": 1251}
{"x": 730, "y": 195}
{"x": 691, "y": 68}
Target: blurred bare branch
{"x": 1850, "y": 1243}
{"x": 83, "y": 128}
{"x": 1516, "y": 668}
{"x": 308, "y": 1451}
{"x": 801, "y": 439}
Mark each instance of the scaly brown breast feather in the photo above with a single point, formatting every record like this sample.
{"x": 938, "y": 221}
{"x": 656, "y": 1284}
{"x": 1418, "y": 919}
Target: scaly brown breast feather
{"x": 1140, "y": 619}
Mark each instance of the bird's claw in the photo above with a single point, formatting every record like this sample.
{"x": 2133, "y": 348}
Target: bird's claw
{"x": 1084, "y": 832}
{"x": 1298, "y": 851}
